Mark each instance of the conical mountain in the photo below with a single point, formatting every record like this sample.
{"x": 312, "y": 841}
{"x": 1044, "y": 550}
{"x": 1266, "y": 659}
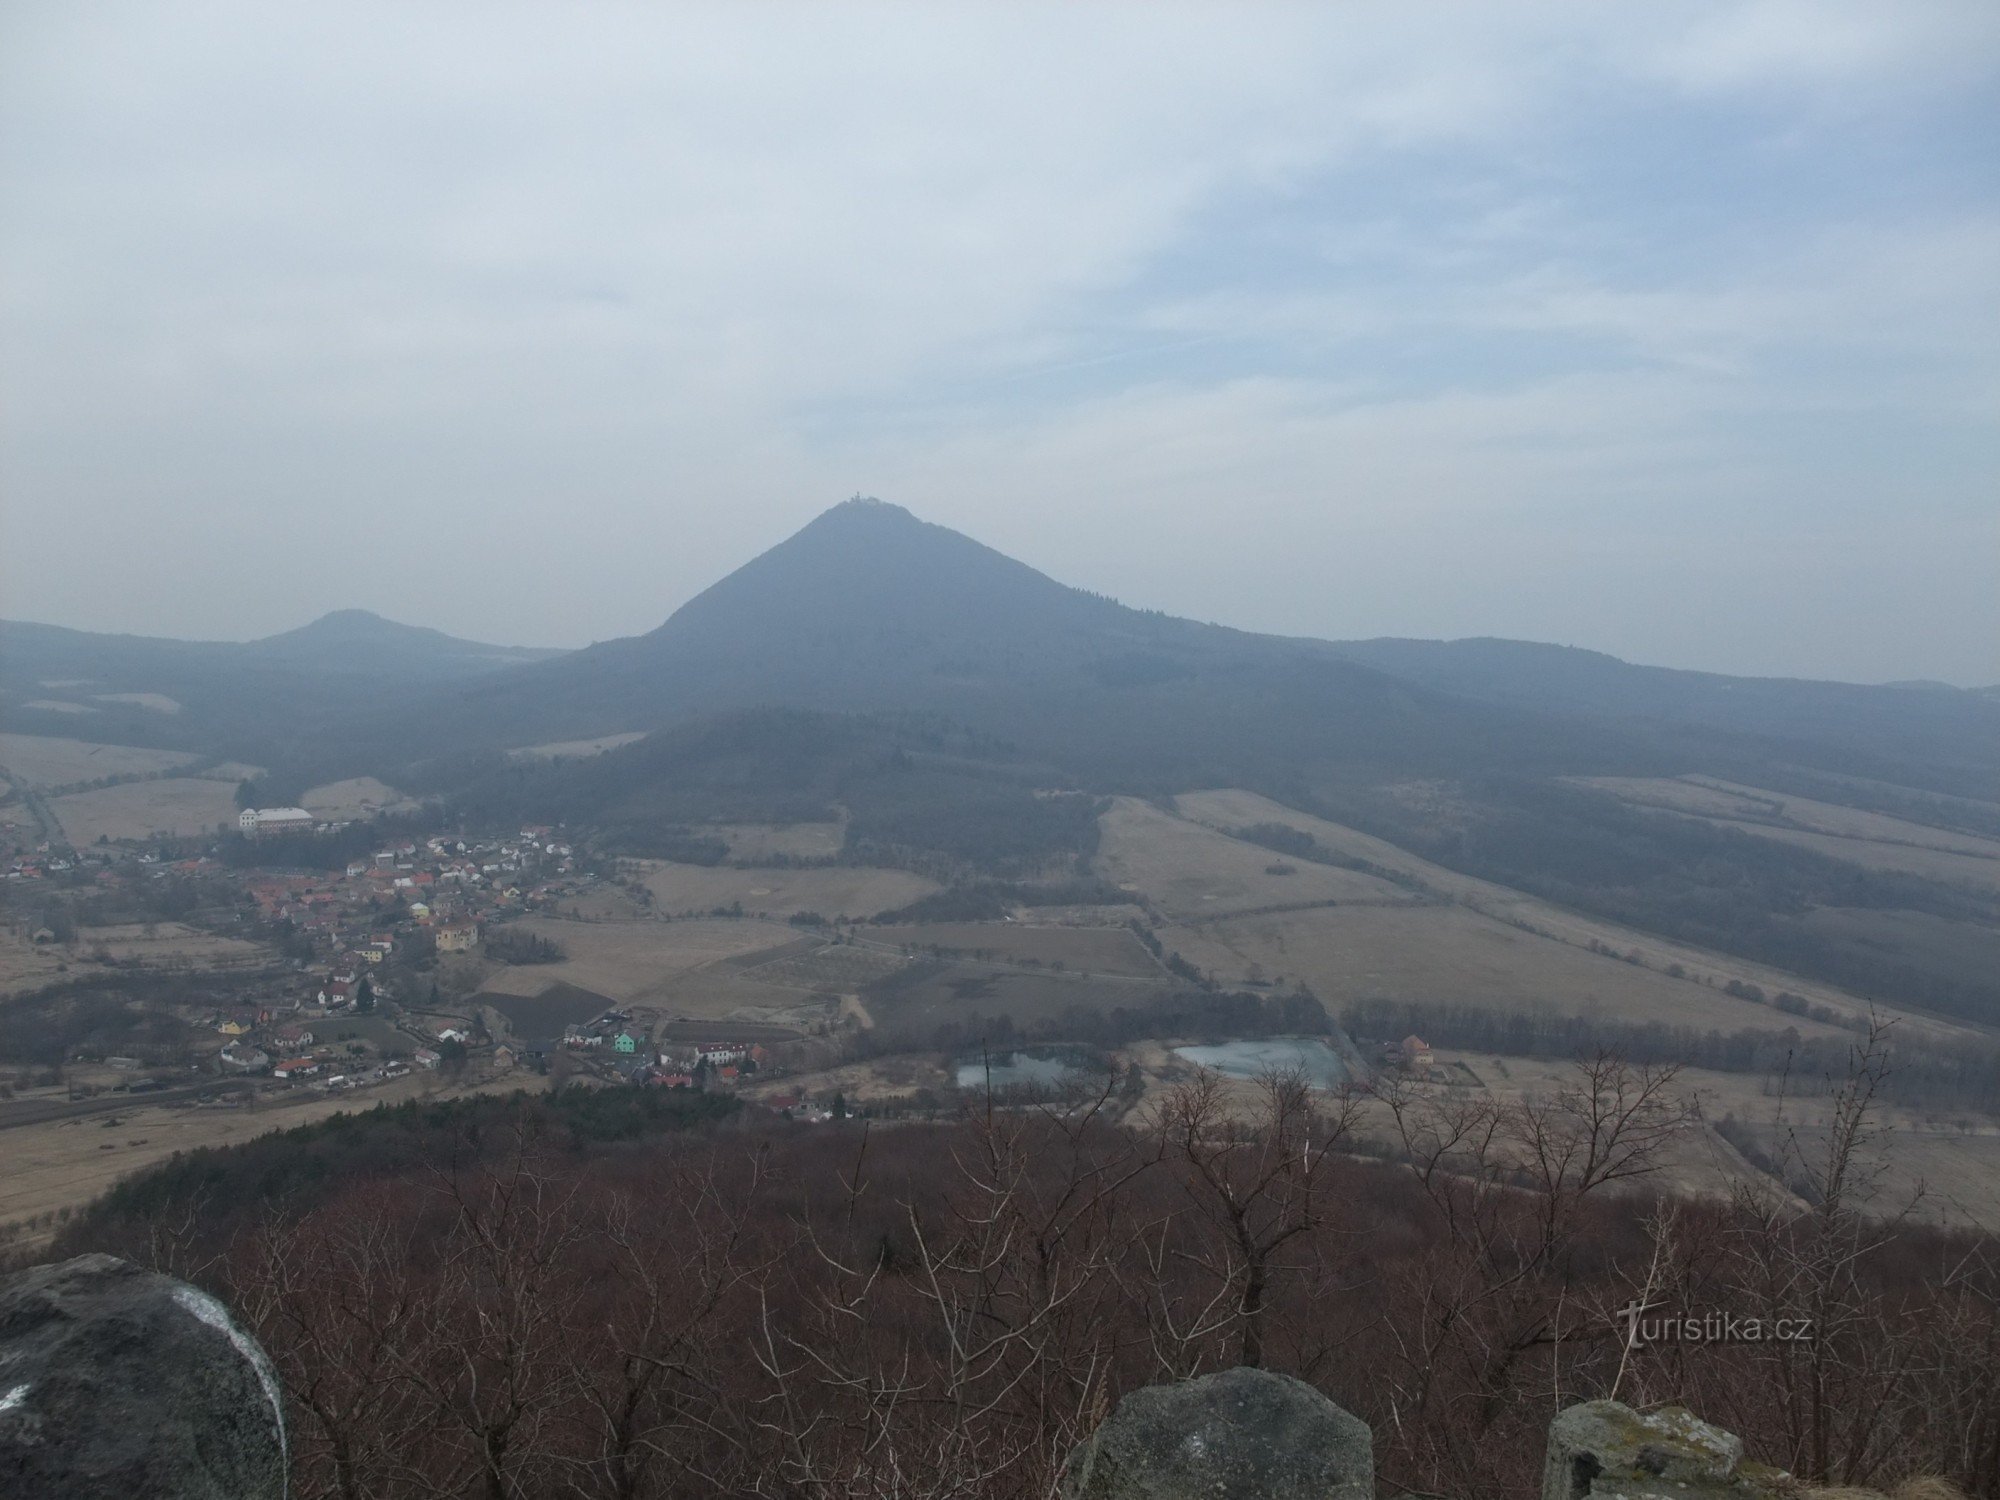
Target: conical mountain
{"x": 870, "y": 609}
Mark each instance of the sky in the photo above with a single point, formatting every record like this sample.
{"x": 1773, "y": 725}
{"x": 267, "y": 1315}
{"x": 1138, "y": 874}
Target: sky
{"x": 1667, "y": 330}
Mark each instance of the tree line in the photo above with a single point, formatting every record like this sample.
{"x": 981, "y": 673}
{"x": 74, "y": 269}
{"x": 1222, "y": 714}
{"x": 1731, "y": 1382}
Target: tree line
{"x": 504, "y": 1305}
{"x": 1924, "y": 1074}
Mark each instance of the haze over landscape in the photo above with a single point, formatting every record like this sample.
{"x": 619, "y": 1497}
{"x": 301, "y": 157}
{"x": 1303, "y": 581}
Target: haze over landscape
{"x": 1654, "y": 331}
{"x": 761, "y": 750}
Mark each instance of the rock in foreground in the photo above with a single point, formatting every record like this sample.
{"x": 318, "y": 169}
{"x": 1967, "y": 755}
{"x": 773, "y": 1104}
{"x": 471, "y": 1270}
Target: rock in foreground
{"x": 1240, "y": 1435}
{"x": 117, "y": 1383}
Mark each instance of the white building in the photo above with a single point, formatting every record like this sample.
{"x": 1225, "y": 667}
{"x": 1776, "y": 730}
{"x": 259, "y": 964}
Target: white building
{"x": 255, "y": 822}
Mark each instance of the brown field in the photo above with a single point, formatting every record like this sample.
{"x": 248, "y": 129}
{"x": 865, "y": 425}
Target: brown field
{"x": 832, "y": 892}
{"x": 25, "y": 964}
{"x": 862, "y": 1082}
{"x": 60, "y": 1164}
{"x": 1450, "y": 953}
{"x": 1875, "y": 841}
{"x": 1192, "y": 870}
{"x": 159, "y": 703}
{"x": 358, "y": 797}
{"x": 838, "y": 968}
{"x": 1558, "y": 925}
{"x": 1708, "y": 797}
{"x": 161, "y": 943}
{"x": 910, "y": 1008}
{"x": 45, "y": 761}
{"x": 1932, "y": 864}
{"x": 140, "y": 809}
{"x": 559, "y": 748}
{"x": 606, "y": 902}
{"x": 1947, "y": 1166}
{"x": 633, "y": 962}
{"x": 1088, "y": 950}
{"x": 722, "y": 994}
{"x": 751, "y": 842}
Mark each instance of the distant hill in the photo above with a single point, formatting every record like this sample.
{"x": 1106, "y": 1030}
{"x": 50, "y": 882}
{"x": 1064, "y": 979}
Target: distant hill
{"x": 245, "y": 698}
{"x": 868, "y": 609}
{"x": 358, "y": 640}
{"x": 1951, "y": 738}
{"x": 964, "y": 713}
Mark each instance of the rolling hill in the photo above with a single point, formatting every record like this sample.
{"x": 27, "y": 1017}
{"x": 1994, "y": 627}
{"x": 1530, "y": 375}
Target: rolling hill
{"x": 247, "y": 699}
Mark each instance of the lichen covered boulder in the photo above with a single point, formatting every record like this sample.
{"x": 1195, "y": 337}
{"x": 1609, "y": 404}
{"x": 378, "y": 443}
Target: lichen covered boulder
{"x": 1240, "y": 1435}
{"x": 118, "y": 1383}
{"x": 1604, "y": 1450}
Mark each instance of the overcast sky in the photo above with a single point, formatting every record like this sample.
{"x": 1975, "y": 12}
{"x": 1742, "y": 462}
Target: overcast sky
{"x": 1667, "y": 329}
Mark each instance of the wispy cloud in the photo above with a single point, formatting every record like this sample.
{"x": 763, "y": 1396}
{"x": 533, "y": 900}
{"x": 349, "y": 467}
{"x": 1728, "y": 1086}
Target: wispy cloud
{"x": 485, "y": 304}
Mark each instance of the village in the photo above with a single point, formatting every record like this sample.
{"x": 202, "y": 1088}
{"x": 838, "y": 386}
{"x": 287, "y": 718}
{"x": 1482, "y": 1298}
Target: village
{"x": 358, "y": 974}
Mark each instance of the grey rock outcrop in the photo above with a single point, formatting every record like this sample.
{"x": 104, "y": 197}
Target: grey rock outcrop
{"x": 119, "y": 1383}
{"x": 1240, "y": 1435}
{"x": 1604, "y": 1450}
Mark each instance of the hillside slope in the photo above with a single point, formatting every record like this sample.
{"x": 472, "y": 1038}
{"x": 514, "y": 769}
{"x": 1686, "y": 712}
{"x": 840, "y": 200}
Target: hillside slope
{"x": 870, "y": 609}
{"x": 1950, "y": 738}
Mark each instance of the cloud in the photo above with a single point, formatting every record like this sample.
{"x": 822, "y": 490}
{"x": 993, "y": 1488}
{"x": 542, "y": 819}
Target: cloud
{"x": 528, "y": 320}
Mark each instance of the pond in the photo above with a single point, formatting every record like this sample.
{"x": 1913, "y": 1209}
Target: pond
{"x": 1038, "y": 1067}
{"x": 1323, "y": 1066}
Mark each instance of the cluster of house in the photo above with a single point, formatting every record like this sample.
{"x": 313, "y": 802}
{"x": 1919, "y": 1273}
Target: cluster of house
{"x": 44, "y": 861}
{"x": 442, "y": 889}
{"x": 703, "y": 1065}
{"x": 290, "y": 1051}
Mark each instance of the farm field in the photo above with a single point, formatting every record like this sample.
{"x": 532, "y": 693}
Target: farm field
{"x": 632, "y": 962}
{"x": 159, "y": 703}
{"x": 25, "y": 964}
{"x": 840, "y": 968}
{"x": 358, "y": 797}
{"x": 61, "y": 1164}
{"x": 1094, "y": 950}
{"x": 44, "y": 761}
{"x": 1705, "y": 796}
{"x": 1449, "y": 953}
{"x": 908, "y": 1009}
{"x": 160, "y": 943}
{"x": 832, "y": 892}
{"x": 141, "y": 809}
{"x": 1559, "y": 926}
{"x": 750, "y": 843}
{"x": 863, "y": 1082}
{"x": 1872, "y": 840}
{"x": 1933, "y": 864}
{"x": 1190, "y": 869}
{"x": 723, "y": 994}
{"x": 1942, "y": 1174}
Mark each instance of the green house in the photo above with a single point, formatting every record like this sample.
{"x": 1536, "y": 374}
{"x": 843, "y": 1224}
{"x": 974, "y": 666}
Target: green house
{"x": 623, "y": 1042}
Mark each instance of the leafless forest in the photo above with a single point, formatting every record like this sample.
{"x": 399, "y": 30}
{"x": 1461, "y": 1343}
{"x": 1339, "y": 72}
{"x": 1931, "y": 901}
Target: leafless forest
{"x": 932, "y": 1311}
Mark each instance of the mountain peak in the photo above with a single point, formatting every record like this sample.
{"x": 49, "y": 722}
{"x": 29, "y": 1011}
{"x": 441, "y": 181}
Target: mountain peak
{"x": 353, "y": 637}
{"x": 345, "y": 624}
{"x": 869, "y": 504}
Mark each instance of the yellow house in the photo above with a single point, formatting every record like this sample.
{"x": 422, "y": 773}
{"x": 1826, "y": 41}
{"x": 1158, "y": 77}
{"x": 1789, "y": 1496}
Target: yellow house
{"x": 233, "y": 1028}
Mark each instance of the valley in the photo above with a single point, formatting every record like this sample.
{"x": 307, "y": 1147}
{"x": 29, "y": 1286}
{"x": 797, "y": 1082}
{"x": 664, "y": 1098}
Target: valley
{"x": 883, "y": 799}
